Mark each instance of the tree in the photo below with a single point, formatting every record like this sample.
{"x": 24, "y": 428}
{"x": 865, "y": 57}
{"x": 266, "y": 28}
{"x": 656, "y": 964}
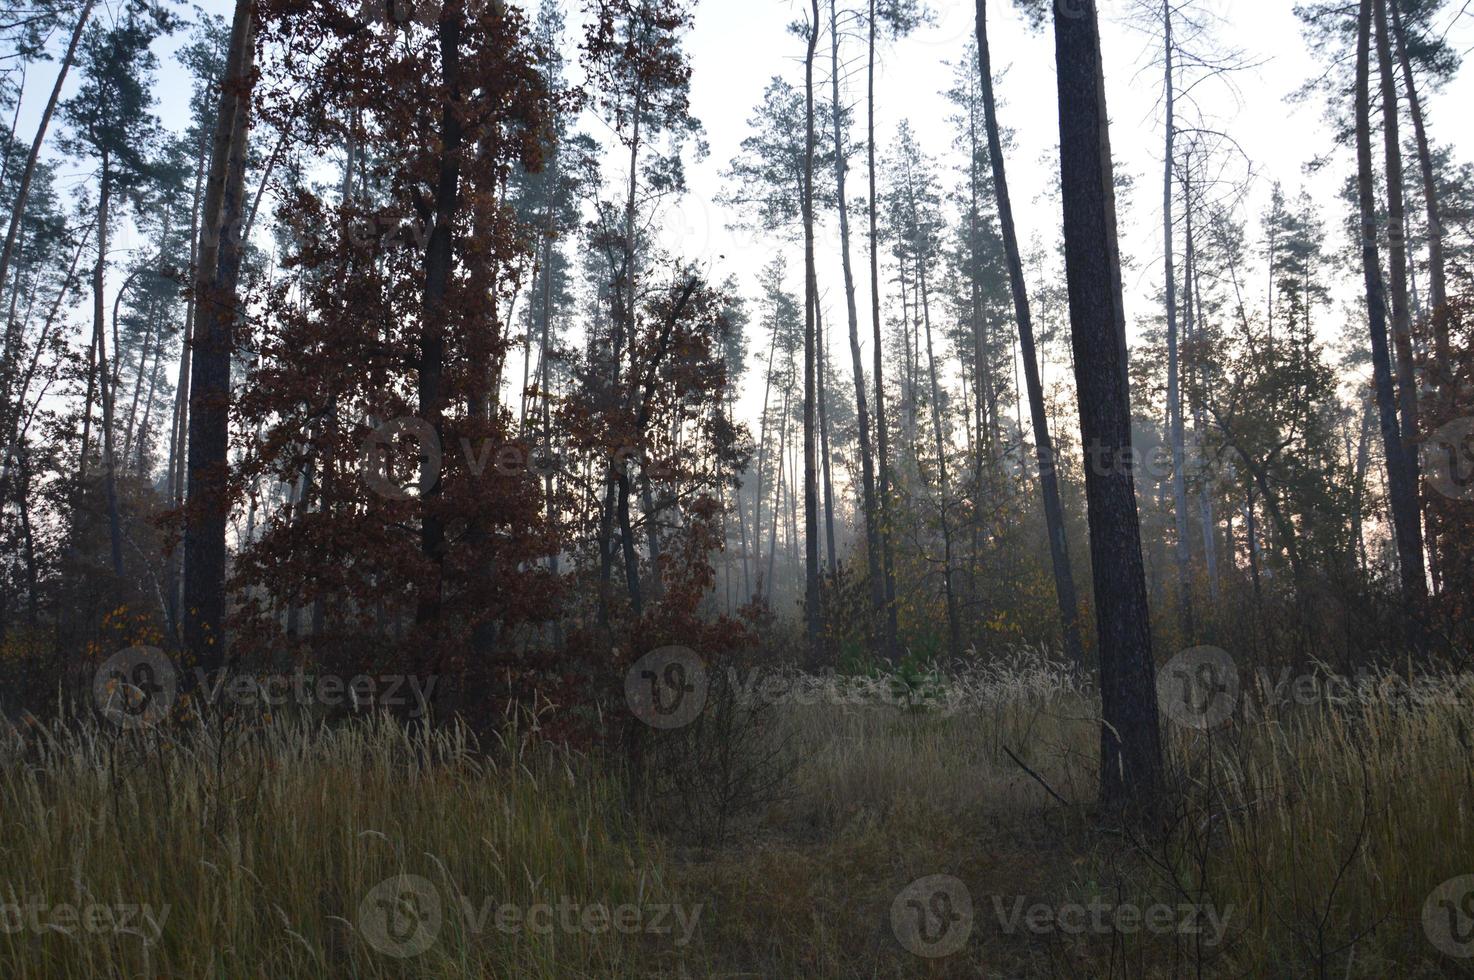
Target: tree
{"x": 18, "y": 205}
{"x": 110, "y": 122}
{"x": 899, "y": 17}
{"x": 813, "y": 613}
{"x": 207, "y": 505}
{"x": 641, "y": 79}
{"x": 1064, "y": 579}
{"x": 1131, "y": 751}
{"x": 1403, "y": 494}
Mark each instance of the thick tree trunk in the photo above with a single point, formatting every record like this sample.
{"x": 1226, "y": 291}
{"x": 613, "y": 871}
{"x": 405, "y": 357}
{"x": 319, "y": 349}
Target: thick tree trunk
{"x": 1131, "y": 748}
{"x": 1402, "y": 493}
{"x": 1064, "y": 579}
{"x": 207, "y": 507}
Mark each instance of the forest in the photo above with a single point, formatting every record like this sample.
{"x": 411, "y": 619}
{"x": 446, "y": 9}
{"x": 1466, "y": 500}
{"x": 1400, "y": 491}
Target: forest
{"x": 631, "y": 488}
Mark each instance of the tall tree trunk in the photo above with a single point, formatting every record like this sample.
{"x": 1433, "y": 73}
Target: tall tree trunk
{"x": 1437, "y": 273}
{"x": 822, "y": 353}
{"x": 179, "y": 421}
{"x": 1064, "y": 578}
{"x": 812, "y": 611}
{"x": 1402, "y": 324}
{"x": 18, "y": 206}
{"x": 1402, "y": 494}
{"x": 882, "y": 435}
{"x": 954, "y": 623}
{"x": 1183, "y": 552}
{"x": 862, "y": 414}
{"x": 1131, "y": 748}
{"x": 105, "y": 390}
{"x": 1192, "y": 330}
{"x": 439, "y": 266}
{"x": 208, "y": 507}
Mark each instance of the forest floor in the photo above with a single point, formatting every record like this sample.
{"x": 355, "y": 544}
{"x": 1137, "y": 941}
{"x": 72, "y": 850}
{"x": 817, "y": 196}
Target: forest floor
{"x": 952, "y": 836}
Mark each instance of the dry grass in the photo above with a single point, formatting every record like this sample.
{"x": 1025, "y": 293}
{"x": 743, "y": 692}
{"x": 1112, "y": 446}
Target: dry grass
{"x": 1320, "y": 832}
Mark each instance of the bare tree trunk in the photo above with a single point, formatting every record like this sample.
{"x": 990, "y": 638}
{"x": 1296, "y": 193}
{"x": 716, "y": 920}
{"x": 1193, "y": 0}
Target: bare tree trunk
{"x": 1183, "y": 552}
{"x": 954, "y": 623}
{"x": 882, "y": 435}
{"x": 1064, "y": 579}
{"x": 862, "y": 414}
{"x": 812, "y": 611}
{"x": 822, "y": 353}
{"x": 1402, "y": 325}
{"x": 1131, "y": 748}
{"x": 1437, "y": 274}
{"x": 1403, "y": 501}
{"x": 208, "y": 507}
{"x": 24, "y": 190}
{"x": 105, "y": 390}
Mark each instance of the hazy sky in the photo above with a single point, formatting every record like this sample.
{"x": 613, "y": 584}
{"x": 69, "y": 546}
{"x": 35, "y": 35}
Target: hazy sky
{"x": 738, "y": 45}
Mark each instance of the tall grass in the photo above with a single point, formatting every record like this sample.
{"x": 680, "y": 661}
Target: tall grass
{"x": 1320, "y": 830}
{"x": 262, "y": 846}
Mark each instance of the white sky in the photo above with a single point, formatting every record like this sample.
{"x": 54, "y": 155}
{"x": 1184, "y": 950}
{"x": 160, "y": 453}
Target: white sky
{"x": 738, "y": 45}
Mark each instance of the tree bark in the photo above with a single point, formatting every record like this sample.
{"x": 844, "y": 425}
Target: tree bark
{"x": 862, "y": 414}
{"x": 207, "y": 505}
{"x": 1064, "y": 579}
{"x": 1401, "y": 493}
{"x": 882, "y": 435}
{"x": 1182, "y": 550}
{"x": 1437, "y": 273}
{"x": 812, "y": 611}
{"x": 1131, "y": 751}
{"x": 1402, "y": 326}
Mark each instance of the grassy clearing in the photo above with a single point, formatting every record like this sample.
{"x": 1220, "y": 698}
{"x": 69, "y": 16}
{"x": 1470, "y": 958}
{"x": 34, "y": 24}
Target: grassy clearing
{"x": 1315, "y": 834}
